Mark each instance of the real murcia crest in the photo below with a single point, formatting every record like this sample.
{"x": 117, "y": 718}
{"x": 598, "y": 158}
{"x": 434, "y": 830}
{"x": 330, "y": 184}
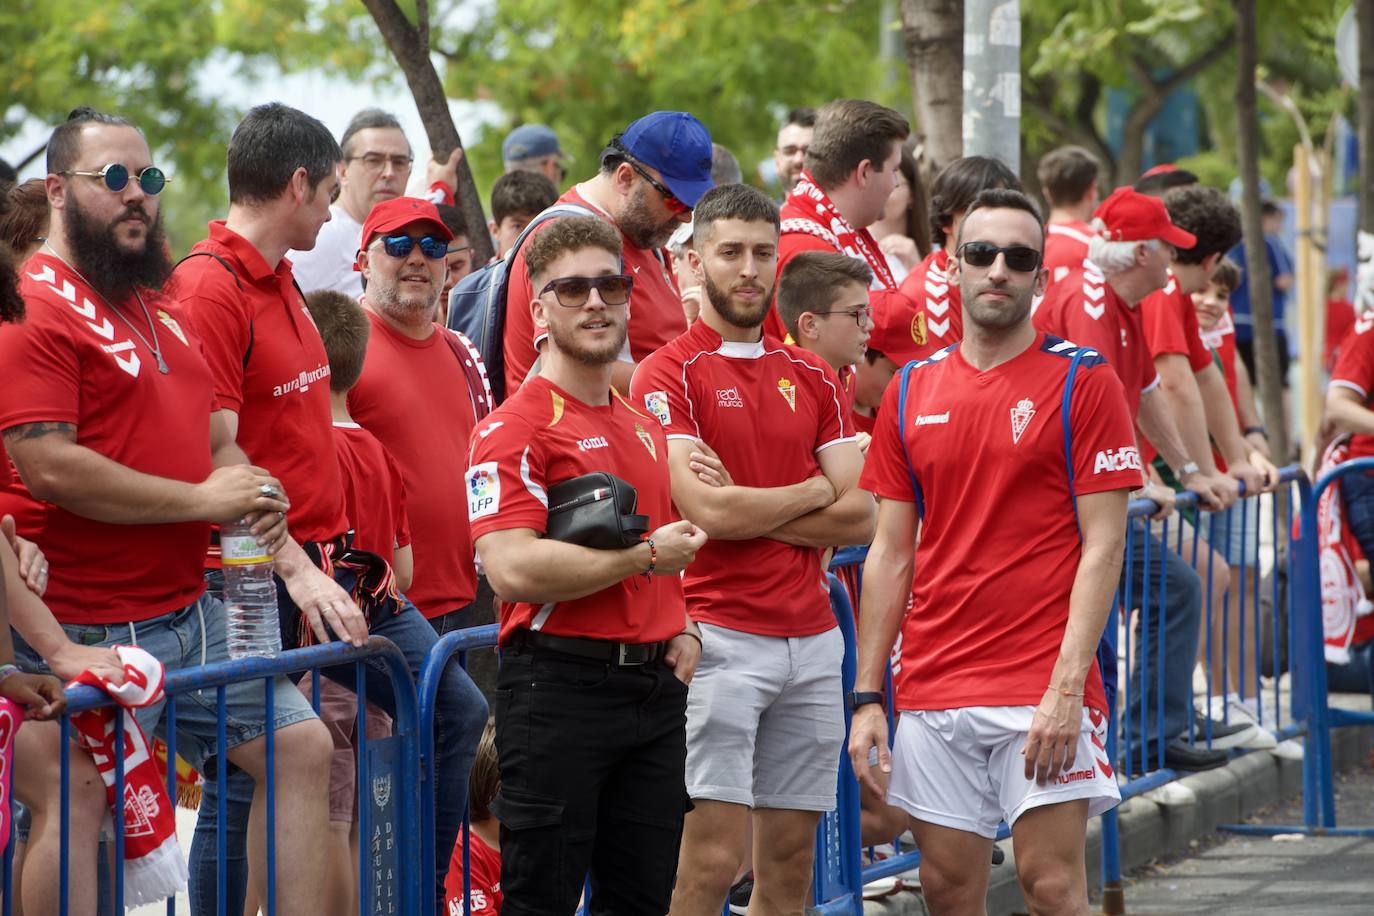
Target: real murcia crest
{"x": 648, "y": 440}
{"x": 789, "y": 391}
{"x": 1020, "y": 418}
{"x": 171, "y": 325}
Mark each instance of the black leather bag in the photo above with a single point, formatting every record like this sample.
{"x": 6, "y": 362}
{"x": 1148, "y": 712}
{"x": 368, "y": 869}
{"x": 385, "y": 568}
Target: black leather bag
{"x": 596, "y": 510}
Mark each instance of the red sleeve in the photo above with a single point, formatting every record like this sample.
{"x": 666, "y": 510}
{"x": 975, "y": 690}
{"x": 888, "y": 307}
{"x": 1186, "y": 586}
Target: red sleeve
{"x": 660, "y": 385}
{"x": 887, "y": 472}
{"x": 505, "y": 482}
{"x": 217, "y": 310}
{"x": 1354, "y": 369}
{"x": 1105, "y": 456}
{"x": 833, "y": 422}
{"x": 42, "y": 373}
{"x": 519, "y": 344}
{"x": 401, "y": 522}
{"x": 1170, "y": 325}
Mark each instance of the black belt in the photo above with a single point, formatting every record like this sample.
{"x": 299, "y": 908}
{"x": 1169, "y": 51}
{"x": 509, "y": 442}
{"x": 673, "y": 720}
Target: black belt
{"x": 612, "y": 653}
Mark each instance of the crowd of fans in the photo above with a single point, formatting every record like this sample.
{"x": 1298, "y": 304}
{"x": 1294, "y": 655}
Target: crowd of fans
{"x": 667, "y": 712}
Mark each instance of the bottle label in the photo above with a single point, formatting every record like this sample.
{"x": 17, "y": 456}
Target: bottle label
{"x": 242, "y": 551}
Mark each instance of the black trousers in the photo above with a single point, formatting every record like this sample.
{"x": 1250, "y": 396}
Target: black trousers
{"x": 592, "y": 759}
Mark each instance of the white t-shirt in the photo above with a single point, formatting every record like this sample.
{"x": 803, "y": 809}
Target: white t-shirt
{"x": 329, "y": 265}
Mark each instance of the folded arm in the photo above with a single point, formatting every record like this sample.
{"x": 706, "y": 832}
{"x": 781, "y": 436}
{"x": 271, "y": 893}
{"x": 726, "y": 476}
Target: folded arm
{"x": 736, "y": 513}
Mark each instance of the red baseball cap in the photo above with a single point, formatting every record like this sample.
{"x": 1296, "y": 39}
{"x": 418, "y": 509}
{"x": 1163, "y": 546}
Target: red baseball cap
{"x": 398, "y": 213}
{"x": 1134, "y": 217}
{"x": 898, "y": 334}
{"x": 1163, "y": 168}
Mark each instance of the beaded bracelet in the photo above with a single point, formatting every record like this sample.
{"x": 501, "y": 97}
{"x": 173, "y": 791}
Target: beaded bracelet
{"x": 653, "y": 557}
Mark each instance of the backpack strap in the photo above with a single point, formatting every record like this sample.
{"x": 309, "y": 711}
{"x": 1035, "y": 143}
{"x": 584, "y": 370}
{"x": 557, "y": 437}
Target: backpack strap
{"x": 1065, "y": 406}
{"x": 901, "y": 432}
{"x": 229, "y": 267}
{"x": 470, "y": 361}
{"x": 557, "y": 210}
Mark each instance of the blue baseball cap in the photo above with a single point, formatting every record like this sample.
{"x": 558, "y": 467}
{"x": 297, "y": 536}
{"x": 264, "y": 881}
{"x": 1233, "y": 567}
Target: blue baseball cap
{"x": 529, "y": 140}
{"x": 679, "y": 146}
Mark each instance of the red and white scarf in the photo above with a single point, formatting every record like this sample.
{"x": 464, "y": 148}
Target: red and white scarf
{"x": 809, "y": 209}
{"x": 11, "y": 717}
{"x": 1343, "y": 599}
{"x": 154, "y": 868}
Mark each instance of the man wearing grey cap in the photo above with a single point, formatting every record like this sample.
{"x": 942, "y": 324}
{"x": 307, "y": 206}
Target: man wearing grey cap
{"x": 651, "y": 176}
{"x": 534, "y": 148}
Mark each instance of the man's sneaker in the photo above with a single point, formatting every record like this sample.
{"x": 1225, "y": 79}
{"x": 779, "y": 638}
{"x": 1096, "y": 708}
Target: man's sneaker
{"x": 740, "y": 894}
{"x": 1233, "y": 734}
{"x": 879, "y": 888}
{"x": 1290, "y": 749}
{"x": 1233, "y": 710}
{"x": 1182, "y": 756}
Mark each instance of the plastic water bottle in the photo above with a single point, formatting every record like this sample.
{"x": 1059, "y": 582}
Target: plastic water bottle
{"x": 250, "y": 593}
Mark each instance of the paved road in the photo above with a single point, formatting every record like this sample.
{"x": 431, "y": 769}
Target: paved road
{"x": 1308, "y": 876}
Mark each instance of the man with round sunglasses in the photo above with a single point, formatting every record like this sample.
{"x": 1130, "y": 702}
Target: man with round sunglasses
{"x": 597, "y": 648}
{"x": 1002, "y": 709}
{"x": 651, "y": 176}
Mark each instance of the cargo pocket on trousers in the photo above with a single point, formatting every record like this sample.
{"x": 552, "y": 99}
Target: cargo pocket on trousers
{"x": 532, "y": 853}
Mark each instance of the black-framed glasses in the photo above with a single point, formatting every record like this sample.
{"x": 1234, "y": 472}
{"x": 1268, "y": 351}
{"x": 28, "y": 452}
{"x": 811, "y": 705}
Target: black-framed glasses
{"x": 862, "y": 315}
{"x": 1020, "y": 258}
{"x": 670, "y": 200}
{"x": 573, "y": 292}
{"x": 400, "y": 246}
{"x": 116, "y": 177}
{"x": 375, "y": 162}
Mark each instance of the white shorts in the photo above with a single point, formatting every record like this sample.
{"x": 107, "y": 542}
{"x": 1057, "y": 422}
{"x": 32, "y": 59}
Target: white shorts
{"x": 765, "y": 720}
{"x": 962, "y": 768}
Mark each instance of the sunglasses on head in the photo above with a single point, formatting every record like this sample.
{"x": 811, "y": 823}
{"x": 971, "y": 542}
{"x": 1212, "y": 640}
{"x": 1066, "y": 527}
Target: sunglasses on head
{"x": 1020, "y": 258}
{"x": 670, "y": 199}
{"x": 573, "y": 292}
{"x": 116, "y": 176}
{"x": 400, "y": 246}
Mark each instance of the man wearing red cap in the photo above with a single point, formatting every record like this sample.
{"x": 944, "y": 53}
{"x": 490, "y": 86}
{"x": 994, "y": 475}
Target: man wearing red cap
{"x": 651, "y": 177}
{"x": 1096, "y": 305}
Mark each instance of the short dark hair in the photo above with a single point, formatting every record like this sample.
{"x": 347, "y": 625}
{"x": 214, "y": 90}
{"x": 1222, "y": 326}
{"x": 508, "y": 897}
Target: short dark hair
{"x": 1005, "y": 199}
{"x": 64, "y": 146}
{"x": 802, "y": 116}
{"x": 724, "y": 166}
{"x": 1227, "y": 275}
{"x": 1159, "y": 183}
{"x": 25, "y": 215}
{"x": 954, "y": 189}
{"x": 368, "y": 119}
{"x": 565, "y": 234}
{"x": 1269, "y": 208}
{"x": 811, "y": 281}
{"x": 1066, "y": 174}
{"x": 1207, "y": 214}
{"x": 453, "y": 220}
{"x": 732, "y": 201}
{"x": 267, "y": 147}
{"x": 521, "y": 193}
{"x": 344, "y": 328}
{"x": 849, "y": 131}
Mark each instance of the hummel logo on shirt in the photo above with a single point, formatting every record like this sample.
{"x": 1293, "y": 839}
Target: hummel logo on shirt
{"x": 928, "y": 419}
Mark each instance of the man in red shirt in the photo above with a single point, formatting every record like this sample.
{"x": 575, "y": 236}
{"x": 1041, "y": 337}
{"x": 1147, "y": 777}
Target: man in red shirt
{"x": 852, "y": 166}
{"x": 596, "y": 643}
{"x": 651, "y": 176}
{"x": 764, "y": 720}
{"x": 1003, "y": 715}
{"x": 936, "y": 315}
{"x": 107, "y": 410}
{"x": 1068, "y": 179}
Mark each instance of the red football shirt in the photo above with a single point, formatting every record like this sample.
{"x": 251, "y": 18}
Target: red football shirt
{"x": 413, "y": 396}
{"x": 938, "y": 310}
{"x": 1355, "y": 370}
{"x": 1084, "y": 308}
{"x": 1170, "y": 323}
{"x": 542, "y": 436}
{"x": 864, "y": 423}
{"x": 282, "y": 396}
{"x": 656, "y": 315}
{"x": 987, "y": 449}
{"x": 374, "y": 491}
{"x": 1066, "y": 248}
{"x": 484, "y": 882}
{"x": 767, "y": 409}
{"x": 75, "y": 360}
{"x": 880, "y": 298}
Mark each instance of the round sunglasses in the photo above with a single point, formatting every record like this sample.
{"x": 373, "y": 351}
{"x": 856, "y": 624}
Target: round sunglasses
{"x": 400, "y": 246}
{"x": 116, "y": 177}
{"x": 1020, "y": 258}
{"x": 573, "y": 292}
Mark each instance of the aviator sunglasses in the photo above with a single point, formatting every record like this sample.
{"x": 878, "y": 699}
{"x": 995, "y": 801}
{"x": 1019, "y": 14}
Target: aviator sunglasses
{"x": 573, "y": 292}
{"x": 400, "y": 246}
{"x": 1020, "y": 258}
{"x": 152, "y": 179}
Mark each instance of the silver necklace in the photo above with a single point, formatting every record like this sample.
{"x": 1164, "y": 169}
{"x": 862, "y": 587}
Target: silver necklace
{"x": 153, "y": 345}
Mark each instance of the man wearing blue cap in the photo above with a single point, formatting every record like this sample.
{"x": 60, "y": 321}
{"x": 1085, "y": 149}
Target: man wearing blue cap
{"x": 651, "y": 176}
{"x": 534, "y": 148}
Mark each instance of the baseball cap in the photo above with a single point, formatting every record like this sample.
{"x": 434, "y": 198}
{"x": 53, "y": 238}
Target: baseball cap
{"x": 676, "y": 144}
{"x": 899, "y": 334}
{"x": 398, "y": 213}
{"x": 1163, "y": 168}
{"x": 529, "y": 140}
{"x": 1130, "y": 216}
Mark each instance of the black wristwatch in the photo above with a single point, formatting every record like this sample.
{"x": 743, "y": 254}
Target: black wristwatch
{"x": 859, "y": 698}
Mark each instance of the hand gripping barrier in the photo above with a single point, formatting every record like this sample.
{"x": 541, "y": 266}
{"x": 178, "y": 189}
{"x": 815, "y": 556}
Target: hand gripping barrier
{"x": 388, "y": 775}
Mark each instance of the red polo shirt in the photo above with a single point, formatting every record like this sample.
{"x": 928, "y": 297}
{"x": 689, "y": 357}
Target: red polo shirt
{"x": 281, "y": 395}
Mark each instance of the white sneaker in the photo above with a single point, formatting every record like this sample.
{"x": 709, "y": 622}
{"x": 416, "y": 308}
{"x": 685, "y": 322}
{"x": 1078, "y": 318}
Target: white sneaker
{"x": 1288, "y": 750}
{"x": 1235, "y": 711}
{"x": 879, "y": 887}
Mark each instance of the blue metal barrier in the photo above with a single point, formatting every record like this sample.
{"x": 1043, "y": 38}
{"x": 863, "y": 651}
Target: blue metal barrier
{"x": 388, "y": 773}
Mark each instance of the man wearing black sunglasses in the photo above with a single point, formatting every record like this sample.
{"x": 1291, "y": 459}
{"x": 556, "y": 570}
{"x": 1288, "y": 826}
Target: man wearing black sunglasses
{"x": 651, "y": 176}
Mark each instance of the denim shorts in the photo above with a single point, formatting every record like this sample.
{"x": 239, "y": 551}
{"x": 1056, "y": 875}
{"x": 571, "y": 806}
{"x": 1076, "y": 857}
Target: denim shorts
{"x": 194, "y": 635}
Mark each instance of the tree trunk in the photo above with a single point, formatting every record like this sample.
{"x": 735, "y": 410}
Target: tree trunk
{"x": 1364, "y": 21}
{"x": 1258, "y": 276}
{"x": 409, "y": 44}
{"x": 933, "y": 33}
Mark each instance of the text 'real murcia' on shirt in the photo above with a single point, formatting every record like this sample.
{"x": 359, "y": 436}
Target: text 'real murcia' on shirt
{"x": 74, "y": 360}
{"x": 542, "y": 436}
{"x": 767, "y": 409}
{"x": 270, "y": 368}
{"x": 991, "y": 589}
{"x": 1355, "y": 370}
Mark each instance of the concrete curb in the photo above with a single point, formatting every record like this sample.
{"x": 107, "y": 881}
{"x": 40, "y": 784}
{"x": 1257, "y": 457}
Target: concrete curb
{"x": 1160, "y": 824}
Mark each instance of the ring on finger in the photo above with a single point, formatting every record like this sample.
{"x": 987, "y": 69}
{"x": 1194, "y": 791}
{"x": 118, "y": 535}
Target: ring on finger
{"x": 268, "y": 491}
